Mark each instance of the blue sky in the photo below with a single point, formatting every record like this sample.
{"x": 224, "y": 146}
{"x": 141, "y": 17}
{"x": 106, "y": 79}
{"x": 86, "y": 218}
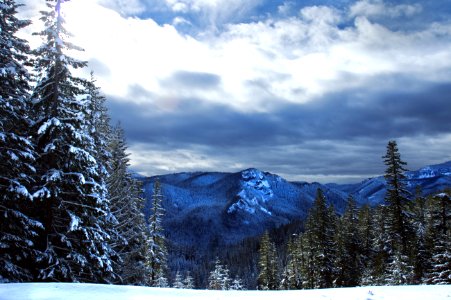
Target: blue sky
{"x": 310, "y": 90}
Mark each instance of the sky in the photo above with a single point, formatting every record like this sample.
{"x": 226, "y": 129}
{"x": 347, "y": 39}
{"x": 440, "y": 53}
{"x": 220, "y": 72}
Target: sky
{"x": 309, "y": 90}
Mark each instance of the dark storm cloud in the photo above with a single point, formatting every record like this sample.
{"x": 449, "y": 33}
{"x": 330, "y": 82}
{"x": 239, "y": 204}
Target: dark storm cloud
{"x": 343, "y": 133}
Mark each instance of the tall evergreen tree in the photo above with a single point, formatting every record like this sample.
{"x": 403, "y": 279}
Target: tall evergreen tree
{"x": 439, "y": 235}
{"x": 292, "y": 279}
{"x": 349, "y": 261}
{"x": 18, "y": 230}
{"x": 421, "y": 257}
{"x": 69, "y": 188}
{"x": 320, "y": 227}
{"x": 157, "y": 257}
{"x": 131, "y": 233}
{"x": 267, "y": 278}
{"x": 397, "y": 197}
{"x": 399, "y": 231}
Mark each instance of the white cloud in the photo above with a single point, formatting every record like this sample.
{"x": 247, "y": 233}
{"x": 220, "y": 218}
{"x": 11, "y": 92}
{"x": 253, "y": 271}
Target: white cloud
{"x": 377, "y": 8}
{"x": 259, "y": 63}
{"x": 125, "y": 7}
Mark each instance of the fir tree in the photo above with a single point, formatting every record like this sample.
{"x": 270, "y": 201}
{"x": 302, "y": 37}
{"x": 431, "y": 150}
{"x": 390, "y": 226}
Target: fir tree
{"x": 188, "y": 282}
{"x": 267, "y": 278}
{"x": 157, "y": 252}
{"x": 349, "y": 262}
{"x": 439, "y": 235}
{"x": 420, "y": 253}
{"x": 237, "y": 284}
{"x": 376, "y": 271}
{"x": 18, "y": 230}
{"x": 219, "y": 277}
{"x": 320, "y": 228}
{"x": 178, "y": 281}
{"x": 292, "y": 279}
{"x": 396, "y": 197}
{"x": 72, "y": 197}
{"x": 130, "y": 236}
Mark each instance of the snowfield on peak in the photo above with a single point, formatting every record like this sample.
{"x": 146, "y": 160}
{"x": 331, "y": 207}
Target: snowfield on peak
{"x": 255, "y": 192}
{"x": 77, "y": 291}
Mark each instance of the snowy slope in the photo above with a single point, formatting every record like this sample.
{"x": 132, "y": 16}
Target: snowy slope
{"x": 74, "y": 291}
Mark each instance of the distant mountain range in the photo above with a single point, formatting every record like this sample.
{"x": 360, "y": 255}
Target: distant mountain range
{"x": 212, "y": 207}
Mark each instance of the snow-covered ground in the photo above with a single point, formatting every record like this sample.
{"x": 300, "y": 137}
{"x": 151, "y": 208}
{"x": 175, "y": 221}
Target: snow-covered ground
{"x": 75, "y": 291}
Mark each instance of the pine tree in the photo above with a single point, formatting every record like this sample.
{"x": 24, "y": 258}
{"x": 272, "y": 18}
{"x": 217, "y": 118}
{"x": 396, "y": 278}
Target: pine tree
{"x": 349, "y": 261}
{"x": 72, "y": 197}
{"x": 178, "y": 281}
{"x": 219, "y": 277}
{"x": 320, "y": 227}
{"x": 376, "y": 271}
{"x": 157, "y": 252}
{"x": 399, "y": 231}
{"x": 130, "y": 236}
{"x": 397, "y": 197}
{"x": 292, "y": 279}
{"x": 421, "y": 255}
{"x": 439, "y": 235}
{"x": 365, "y": 232}
{"x": 267, "y": 278}
{"x": 188, "y": 282}
{"x": 161, "y": 281}
{"x": 18, "y": 229}
{"x": 237, "y": 284}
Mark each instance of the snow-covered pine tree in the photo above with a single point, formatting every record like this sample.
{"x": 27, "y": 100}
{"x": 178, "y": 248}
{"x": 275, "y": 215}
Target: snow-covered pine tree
{"x": 188, "y": 282}
{"x": 157, "y": 252}
{"x": 219, "y": 278}
{"x": 161, "y": 280}
{"x": 348, "y": 262}
{"x": 292, "y": 278}
{"x": 397, "y": 197}
{"x": 268, "y": 264}
{"x": 18, "y": 229}
{"x": 178, "y": 281}
{"x": 418, "y": 223}
{"x": 375, "y": 273}
{"x": 126, "y": 202}
{"x": 237, "y": 284}
{"x": 72, "y": 198}
{"x": 439, "y": 236}
{"x": 320, "y": 226}
{"x": 400, "y": 233}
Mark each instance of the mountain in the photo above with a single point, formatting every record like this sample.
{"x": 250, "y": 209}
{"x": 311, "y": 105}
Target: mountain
{"x": 201, "y": 207}
{"x": 372, "y": 191}
{"x": 207, "y": 212}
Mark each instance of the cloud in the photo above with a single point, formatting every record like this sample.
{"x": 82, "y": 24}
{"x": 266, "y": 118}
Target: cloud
{"x": 347, "y": 129}
{"x": 124, "y": 7}
{"x": 193, "y": 80}
{"x": 378, "y": 8}
{"x": 312, "y": 93}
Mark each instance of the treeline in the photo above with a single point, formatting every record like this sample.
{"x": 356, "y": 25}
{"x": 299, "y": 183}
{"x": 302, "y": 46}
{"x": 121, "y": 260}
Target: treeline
{"x": 403, "y": 242}
{"x": 69, "y": 209}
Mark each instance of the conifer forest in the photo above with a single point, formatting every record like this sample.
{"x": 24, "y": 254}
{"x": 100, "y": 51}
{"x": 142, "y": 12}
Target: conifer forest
{"x": 71, "y": 210}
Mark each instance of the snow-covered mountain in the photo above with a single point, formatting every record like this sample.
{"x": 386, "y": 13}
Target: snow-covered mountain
{"x": 206, "y": 211}
{"x": 203, "y": 207}
{"x": 430, "y": 179}
{"x": 206, "y": 206}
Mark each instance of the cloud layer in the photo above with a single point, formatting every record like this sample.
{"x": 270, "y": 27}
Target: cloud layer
{"x": 311, "y": 92}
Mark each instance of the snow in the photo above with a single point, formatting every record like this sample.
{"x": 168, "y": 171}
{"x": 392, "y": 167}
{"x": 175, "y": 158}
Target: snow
{"x": 76, "y": 291}
{"x": 256, "y": 191}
